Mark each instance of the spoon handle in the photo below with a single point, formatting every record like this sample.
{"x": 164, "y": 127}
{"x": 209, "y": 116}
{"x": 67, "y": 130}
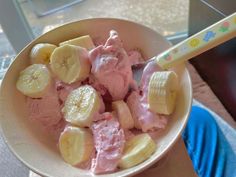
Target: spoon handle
{"x": 202, "y": 41}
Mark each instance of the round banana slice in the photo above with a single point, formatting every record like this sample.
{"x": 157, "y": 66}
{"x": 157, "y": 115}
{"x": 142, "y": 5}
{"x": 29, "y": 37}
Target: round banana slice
{"x": 76, "y": 145}
{"x": 70, "y": 63}
{"x": 81, "y": 106}
{"x": 162, "y": 91}
{"x": 124, "y": 116}
{"x": 137, "y": 149}
{"x": 41, "y": 53}
{"x": 34, "y": 81}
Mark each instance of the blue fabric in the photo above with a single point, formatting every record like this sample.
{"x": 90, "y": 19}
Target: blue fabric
{"x": 209, "y": 150}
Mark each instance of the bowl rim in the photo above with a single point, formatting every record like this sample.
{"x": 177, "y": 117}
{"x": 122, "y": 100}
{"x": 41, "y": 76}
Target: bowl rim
{"x": 135, "y": 171}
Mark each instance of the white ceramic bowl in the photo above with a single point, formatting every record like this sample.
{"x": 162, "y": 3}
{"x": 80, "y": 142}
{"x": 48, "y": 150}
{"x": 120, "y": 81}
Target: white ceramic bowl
{"x": 34, "y": 148}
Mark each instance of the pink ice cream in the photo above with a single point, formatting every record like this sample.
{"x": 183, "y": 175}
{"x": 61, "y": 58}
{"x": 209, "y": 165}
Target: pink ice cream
{"x": 46, "y": 111}
{"x": 135, "y": 57}
{"x": 64, "y": 89}
{"x": 128, "y": 134}
{"x": 111, "y": 67}
{"x": 109, "y": 141}
{"x": 149, "y": 69}
{"x": 146, "y": 119}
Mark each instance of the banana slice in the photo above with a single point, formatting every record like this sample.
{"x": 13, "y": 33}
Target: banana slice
{"x": 40, "y": 53}
{"x": 137, "y": 149}
{"x": 76, "y": 145}
{"x": 123, "y": 113}
{"x": 83, "y": 41}
{"x": 70, "y": 63}
{"x": 34, "y": 81}
{"x": 81, "y": 106}
{"x": 162, "y": 90}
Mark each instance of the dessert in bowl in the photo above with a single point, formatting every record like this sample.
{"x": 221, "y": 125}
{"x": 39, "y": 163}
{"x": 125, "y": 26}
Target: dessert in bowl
{"x": 42, "y": 150}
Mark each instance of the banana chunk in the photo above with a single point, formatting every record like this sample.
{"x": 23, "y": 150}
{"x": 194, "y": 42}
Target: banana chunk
{"x": 41, "y": 53}
{"x": 81, "y": 106}
{"x": 137, "y": 149}
{"x": 34, "y": 81}
{"x": 76, "y": 145}
{"x": 83, "y": 41}
{"x": 123, "y": 113}
{"x": 70, "y": 63}
{"x": 162, "y": 91}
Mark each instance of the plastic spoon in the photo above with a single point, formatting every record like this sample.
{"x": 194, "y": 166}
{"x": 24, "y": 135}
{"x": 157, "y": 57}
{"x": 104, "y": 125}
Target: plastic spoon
{"x": 204, "y": 40}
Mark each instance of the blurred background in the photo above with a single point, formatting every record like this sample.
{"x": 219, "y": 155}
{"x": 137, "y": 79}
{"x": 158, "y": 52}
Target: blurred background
{"x": 24, "y": 20}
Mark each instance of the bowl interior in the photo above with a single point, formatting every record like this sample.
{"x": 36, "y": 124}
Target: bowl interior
{"x": 37, "y": 150}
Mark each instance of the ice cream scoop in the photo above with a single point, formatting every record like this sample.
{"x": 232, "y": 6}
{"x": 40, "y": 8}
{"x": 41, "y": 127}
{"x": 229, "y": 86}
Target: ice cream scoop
{"x": 109, "y": 142}
{"x": 111, "y": 67}
{"x": 144, "y": 119}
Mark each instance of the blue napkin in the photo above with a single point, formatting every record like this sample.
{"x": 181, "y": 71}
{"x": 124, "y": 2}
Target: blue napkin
{"x": 210, "y": 142}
